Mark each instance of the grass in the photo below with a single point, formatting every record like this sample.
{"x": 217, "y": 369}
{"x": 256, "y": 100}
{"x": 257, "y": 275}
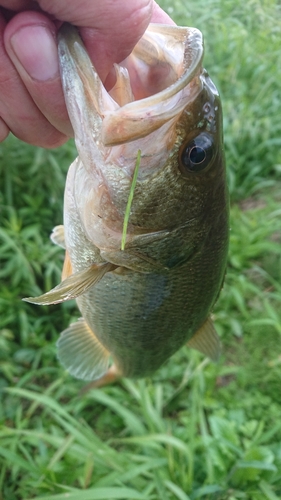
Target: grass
{"x": 196, "y": 430}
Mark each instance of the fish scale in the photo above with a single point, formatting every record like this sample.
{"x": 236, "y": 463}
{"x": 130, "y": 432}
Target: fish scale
{"x": 141, "y": 304}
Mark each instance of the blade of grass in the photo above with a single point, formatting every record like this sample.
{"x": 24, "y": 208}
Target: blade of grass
{"x": 130, "y": 419}
{"x": 178, "y": 492}
{"x": 16, "y": 460}
{"x": 130, "y": 199}
{"x": 97, "y": 494}
{"x": 266, "y": 489}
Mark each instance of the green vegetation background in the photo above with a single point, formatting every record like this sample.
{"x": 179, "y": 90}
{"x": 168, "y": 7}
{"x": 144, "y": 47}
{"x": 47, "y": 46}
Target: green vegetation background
{"x": 196, "y": 429}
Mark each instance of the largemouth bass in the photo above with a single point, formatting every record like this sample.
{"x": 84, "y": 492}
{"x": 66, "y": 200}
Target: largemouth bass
{"x": 142, "y": 302}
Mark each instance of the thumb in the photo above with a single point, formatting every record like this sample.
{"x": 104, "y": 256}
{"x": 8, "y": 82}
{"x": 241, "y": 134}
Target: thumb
{"x": 109, "y": 36}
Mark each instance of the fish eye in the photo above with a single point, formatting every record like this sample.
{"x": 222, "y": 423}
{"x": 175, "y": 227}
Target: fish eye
{"x": 197, "y": 154}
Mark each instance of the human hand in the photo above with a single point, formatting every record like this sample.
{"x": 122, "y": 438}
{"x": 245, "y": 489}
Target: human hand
{"x": 32, "y": 105}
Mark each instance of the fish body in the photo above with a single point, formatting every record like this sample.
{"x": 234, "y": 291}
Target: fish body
{"x": 139, "y": 305}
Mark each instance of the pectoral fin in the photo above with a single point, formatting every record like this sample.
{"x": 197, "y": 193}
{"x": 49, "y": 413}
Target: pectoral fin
{"x": 67, "y": 267}
{"x": 57, "y": 236}
{"x": 80, "y": 352}
{"x": 206, "y": 340}
{"x": 74, "y": 286}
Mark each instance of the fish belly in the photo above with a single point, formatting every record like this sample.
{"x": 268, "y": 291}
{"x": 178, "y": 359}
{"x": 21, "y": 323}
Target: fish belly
{"x": 142, "y": 319}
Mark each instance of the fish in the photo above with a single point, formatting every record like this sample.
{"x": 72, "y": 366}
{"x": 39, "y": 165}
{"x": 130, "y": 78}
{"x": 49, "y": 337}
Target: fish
{"x": 140, "y": 302}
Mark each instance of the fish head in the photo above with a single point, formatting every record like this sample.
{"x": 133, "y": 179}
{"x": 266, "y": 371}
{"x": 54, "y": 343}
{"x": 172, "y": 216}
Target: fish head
{"x": 164, "y": 105}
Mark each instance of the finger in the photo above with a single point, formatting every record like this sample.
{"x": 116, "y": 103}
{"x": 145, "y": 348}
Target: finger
{"x": 30, "y": 41}
{"x": 17, "y": 109}
{"x": 160, "y": 16}
{"x": 17, "y": 4}
{"x": 109, "y": 29}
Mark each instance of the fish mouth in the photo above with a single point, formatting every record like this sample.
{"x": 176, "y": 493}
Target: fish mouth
{"x": 153, "y": 85}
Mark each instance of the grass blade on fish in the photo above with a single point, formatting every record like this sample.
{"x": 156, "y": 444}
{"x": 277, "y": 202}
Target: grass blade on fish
{"x": 130, "y": 200}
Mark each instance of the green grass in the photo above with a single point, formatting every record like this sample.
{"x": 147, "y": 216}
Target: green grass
{"x": 196, "y": 430}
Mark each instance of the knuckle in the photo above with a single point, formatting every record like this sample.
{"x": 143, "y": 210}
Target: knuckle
{"x": 53, "y": 140}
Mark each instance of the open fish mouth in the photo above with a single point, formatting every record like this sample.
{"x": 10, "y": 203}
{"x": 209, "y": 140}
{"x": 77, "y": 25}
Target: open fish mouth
{"x": 153, "y": 85}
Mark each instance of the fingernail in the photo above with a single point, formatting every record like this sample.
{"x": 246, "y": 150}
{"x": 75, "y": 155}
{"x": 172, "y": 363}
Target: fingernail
{"x": 36, "y": 51}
